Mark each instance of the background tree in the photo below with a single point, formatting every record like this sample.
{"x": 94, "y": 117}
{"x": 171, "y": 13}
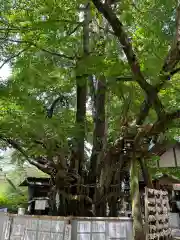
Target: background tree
{"x": 11, "y": 195}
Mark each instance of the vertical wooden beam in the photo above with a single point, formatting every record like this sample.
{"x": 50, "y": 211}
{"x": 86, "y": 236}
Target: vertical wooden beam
{"x": 158, "y": 165}
{"x": 138, "y": 228}
{"x": 175, "y": 158}
{"x": 146, "y": 213}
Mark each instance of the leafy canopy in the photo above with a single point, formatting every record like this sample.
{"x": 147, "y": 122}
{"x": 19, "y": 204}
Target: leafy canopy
{"x": 43, "y": 43}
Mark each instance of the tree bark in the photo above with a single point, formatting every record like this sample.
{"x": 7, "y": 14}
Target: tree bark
{"x": 145, "y": 172}
{"x": 99, "y": 128}
{"x": 81, "y": 91}
{"x": 80, "y": 121}
{"x": 138, "y": 230}
{"x": 120, "y": 33}
{"x": 98, "y": 93}
{"x": 99, "y": 97}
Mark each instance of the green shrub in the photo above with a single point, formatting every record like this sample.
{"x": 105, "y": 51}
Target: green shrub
{"x": 12, "y": 200}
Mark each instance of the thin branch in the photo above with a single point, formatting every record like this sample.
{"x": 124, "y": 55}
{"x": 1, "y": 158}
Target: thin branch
{"x": 12, "y": 57}
{"x": 173, "y": 115}
{"x": 4, "y": 21}
{"x": 174, "y": 71}
{"x": 42, "y": 49}
{"x": 109, "y": 31}
{"x": 166, "y": 78}
{"x": 40, "y": 143}
{"x": 162, "y": 124}
{"x": 125, "y": 79}
{"x": 15, "y": 145}
{"x": 55, "y": 53}
{"x": 122, "y": 79}
{"x": 146, "y": 105}
{"x": 102, "y": 28}
{"x": 75, "y": 29}
{"x": 144, "y": 110}
{"x": 9, "y": 29}
{"x": 12, "y": 184}
{"x": 6, "y": 34}
{"x": 14, "y": 28}
{"x": 61, "y": 99}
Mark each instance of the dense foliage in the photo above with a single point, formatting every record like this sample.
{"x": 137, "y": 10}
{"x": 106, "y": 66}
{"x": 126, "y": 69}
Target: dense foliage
{"x": 12, "y": 196}
{"x": 12, "y": 200}
{"x": 101, "y": 73}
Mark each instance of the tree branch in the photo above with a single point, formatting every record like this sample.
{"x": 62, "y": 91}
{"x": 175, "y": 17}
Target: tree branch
{"x": 158, "y": 86}
{"x": 166, "y": 78}
{"x": 55, "y": 54}
{"x": 15, "y": 145}
{"x": 144, "y": 110}
{"x": 40, "y": 143}
{"x": 42, "y": 49}
{"x": 50, "y": 111}
{"x": 12, "y": 57}
{"x": 75, "y": 29}
{"x": 169, "y": 117}
{"x": 146, "y": 105}
{"x": 173, "y": 56}
{"x": 173, "y": 115}
{"x": 124, "y": 78}
{"x": 162, "y": 124}
{"x": 26, "y": 28}
{"x": 117, "y": 26}
{"x": 119, "y": 32}
{"x": 12, "y": 184}
{"x": 172, "y": 73}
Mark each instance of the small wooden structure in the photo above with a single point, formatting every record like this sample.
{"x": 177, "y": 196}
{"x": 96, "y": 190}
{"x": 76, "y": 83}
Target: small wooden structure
{"x": 38, "y": 189}
{"x": 162, "y": 181}
{"x": 38, "y": 184}
{"x": 169, "y": 154}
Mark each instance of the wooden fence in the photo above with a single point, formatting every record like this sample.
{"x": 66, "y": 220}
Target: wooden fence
{"x": 13, "y": 227}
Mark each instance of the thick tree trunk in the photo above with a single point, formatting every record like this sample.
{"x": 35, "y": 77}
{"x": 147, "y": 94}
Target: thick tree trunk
{"x": 99, "y": 128}
{"x": 138, "y": 230}
{"x": 112, "y": 207}
{"x": 102, "y": 210}
{"x": 99, "y": 99}
{"x": 81, "y": 90}
{"x": 80, "y": 120}
{"x": 117, "y": 179}
{"x": 145, "y": 173}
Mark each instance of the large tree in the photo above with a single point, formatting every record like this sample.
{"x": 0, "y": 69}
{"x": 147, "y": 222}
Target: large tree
{"x": 96, "y": 72}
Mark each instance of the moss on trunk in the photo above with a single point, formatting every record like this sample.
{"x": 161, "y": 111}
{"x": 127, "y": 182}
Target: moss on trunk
{"x": 138, "y": 230}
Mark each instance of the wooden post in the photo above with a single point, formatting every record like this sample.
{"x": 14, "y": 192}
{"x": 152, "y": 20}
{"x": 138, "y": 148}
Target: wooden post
{"x": 146, "y": 226}
{"x": 138, "y": 230}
